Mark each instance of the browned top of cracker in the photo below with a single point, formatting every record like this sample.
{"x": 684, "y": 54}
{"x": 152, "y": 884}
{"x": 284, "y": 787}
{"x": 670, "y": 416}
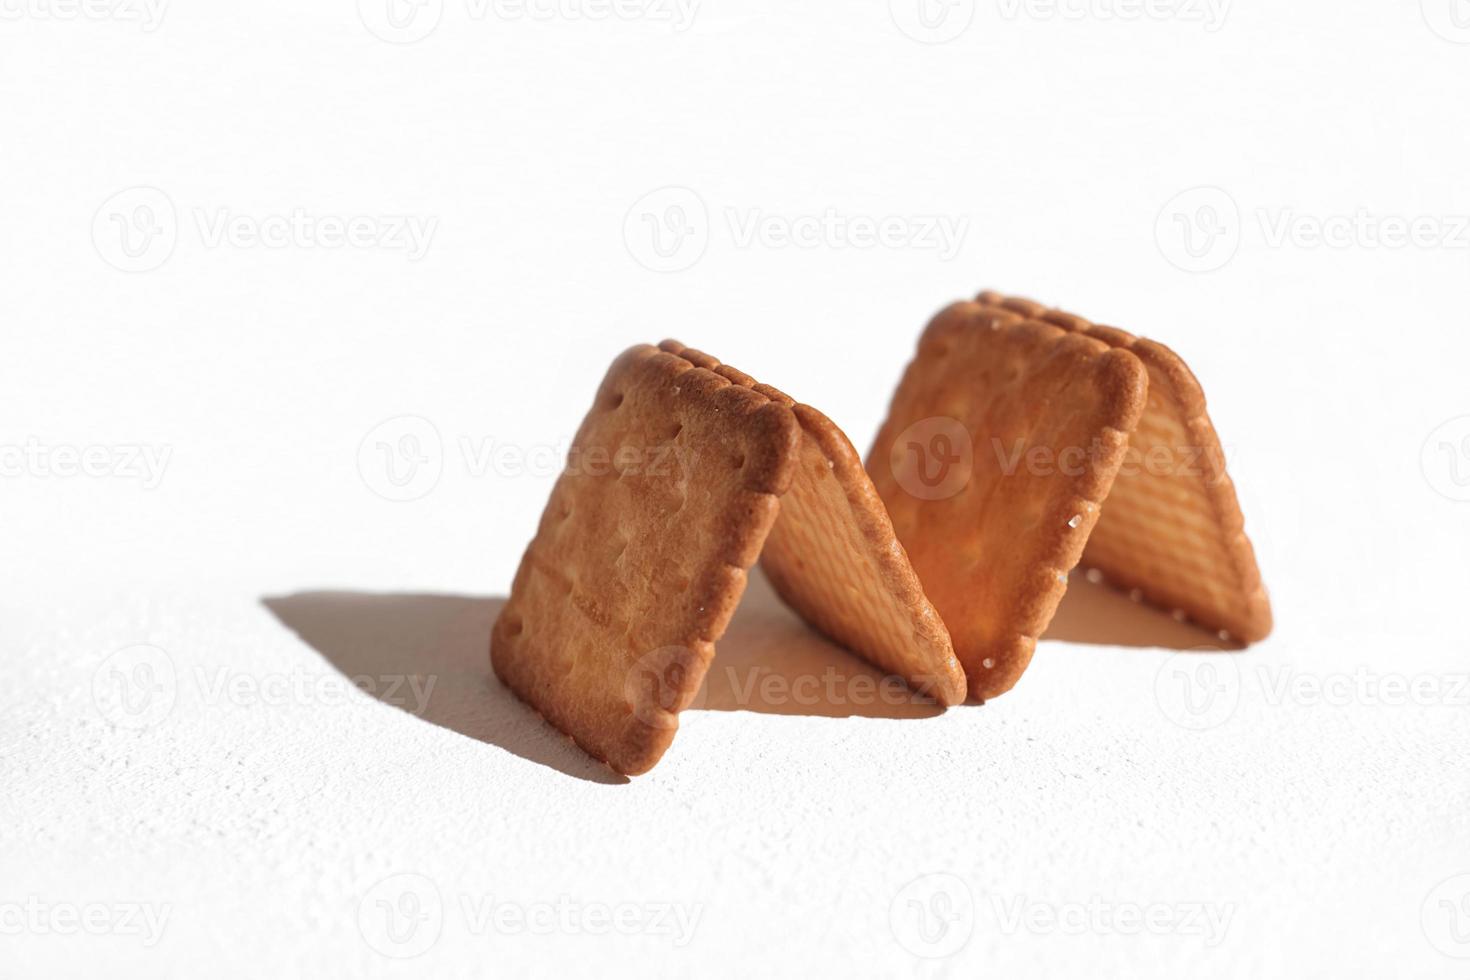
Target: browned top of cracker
{"x": 1173, "y": 532}
{"x": 670, "y": 489}
{"x": 1002, "y": 440}
{"x": 833, "y": 556}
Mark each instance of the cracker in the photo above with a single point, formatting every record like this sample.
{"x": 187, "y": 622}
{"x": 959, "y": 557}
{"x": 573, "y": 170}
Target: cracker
{"x": 1002, "y": 440}
{"x": 672, "y": 487}
{"x": 1172, "y": 528}
{"x": 834, "y": 558}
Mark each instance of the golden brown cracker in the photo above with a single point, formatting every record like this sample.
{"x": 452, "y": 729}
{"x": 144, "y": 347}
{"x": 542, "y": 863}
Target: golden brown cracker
{"x": 670, "y": 489}
{"x": 833, "y": 556}
{"x": 1002, "y": 440}
{"x": 1172, "y": 527}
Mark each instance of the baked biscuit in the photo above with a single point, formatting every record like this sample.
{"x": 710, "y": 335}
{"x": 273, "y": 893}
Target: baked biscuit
{"x": 1001, "y": 443}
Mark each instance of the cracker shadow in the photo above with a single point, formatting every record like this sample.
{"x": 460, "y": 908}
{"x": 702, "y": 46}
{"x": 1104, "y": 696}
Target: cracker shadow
{"x": 771, "y": 662}
{"x": 443, "y": 637}
{"x": 1096, "y": 613}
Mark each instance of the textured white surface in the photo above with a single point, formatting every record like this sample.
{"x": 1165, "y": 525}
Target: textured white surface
{"x": 259, "y": 810}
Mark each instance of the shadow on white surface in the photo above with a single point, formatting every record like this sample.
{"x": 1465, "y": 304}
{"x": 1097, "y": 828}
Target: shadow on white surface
{"x": 770, "y": 661}
{"x": 445, "y": 637}
{"x": 1096, "y": 613}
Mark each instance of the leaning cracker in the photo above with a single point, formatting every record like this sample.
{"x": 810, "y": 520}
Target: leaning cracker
{"x": 1003, "y": 438}
{"x": 833, "y": 557}
{"x": 640, "y": 558}
{"x": 1172, "y": 528}
{"x": 639, "y": 562}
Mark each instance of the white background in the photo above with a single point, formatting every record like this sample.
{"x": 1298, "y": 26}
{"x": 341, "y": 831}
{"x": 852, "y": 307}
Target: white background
{"x": 260, "y": 813}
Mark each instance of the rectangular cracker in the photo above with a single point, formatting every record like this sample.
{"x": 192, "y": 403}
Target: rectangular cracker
{"x": 670, "y": 489}
{"x": 1172, "y": 529}
{"x": 1002, "y": 440}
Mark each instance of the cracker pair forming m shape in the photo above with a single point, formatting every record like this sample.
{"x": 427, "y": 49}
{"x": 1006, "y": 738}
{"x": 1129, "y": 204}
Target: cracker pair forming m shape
{"x": 1009, "y": 430}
